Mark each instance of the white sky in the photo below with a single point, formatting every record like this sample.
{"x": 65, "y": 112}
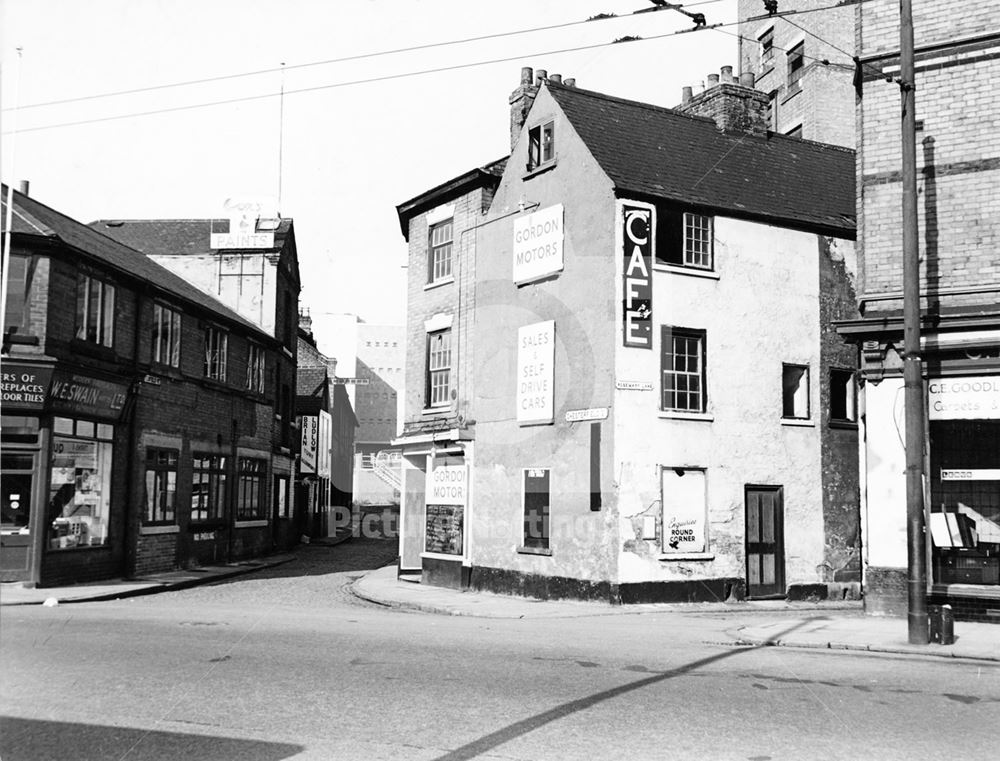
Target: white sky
{"x": 351, "y": 153}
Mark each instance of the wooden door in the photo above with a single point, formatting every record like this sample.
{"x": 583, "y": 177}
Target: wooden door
{"x": 765, "y": 542}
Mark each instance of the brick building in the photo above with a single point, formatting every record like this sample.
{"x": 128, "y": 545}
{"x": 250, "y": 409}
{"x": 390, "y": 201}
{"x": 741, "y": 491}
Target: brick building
{"x": 803, "y": 65}
{"x": 611, "y": 407}
{"x": 139, "y": 429}
{"x": 958, "y": 174}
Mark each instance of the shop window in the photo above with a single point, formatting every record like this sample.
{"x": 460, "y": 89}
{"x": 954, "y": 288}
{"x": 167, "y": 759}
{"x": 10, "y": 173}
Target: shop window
{"x": 80, "y": 485}
{"x": 843, "y": 396}
{"x": 682, "y": 365}
{"x": 795, "y": 392}
{"x": 216, "y": 351}
{"x": 166, "y": 336}
{"x": 535, "y": 498}
{"x": 161, "y": 486}
{"x": 541, "y": 145}
{"x": 18, "y": 429}
{"x": 95, "y": 310}
{"x": 208, "y": 487}
{"x": 438, "y": 368}
{"x": 255, "y": 368}
{"x": 440, "y": 250}
{"x": 251, "y": 490}
{"x": 796, "y": 63}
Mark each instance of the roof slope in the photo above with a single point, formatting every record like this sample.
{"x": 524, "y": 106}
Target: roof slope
{"x": 488, "y": 175}
{"x": 37, "y": 219}
{"x": 655, "y": 151}
{"x": 161, "y": 237}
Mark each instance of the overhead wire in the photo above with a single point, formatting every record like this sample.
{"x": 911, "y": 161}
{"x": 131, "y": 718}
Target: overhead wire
{"x": 357, "y": 57}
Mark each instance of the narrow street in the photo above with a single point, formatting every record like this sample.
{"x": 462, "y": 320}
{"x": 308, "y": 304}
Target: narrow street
{"x": 287, "y": 663}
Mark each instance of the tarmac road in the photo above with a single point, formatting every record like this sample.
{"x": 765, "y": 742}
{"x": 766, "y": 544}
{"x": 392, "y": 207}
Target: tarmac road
{"x": 288, "y": 664}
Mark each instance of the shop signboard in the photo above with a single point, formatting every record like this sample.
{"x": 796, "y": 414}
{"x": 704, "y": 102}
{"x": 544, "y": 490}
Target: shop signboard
{"x": 637, "y": 276}
{"x": 325, "y": 442}
{"x": 594, "y": 413}
{"x": 310, "y": 443}
{"x": 243, "y": 222}
{"x": 447, "y": 496}
{"x": 25, "y": 386}
{"x": 73, "y": 394}
{"x": 538, "y": 244}
{"x": 535, "y": 372}
{"x": 684, "y": 510}
{"x": 972, "y": 397}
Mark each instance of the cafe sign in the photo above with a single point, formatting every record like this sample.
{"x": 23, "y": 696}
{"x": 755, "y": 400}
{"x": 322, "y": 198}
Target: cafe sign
{"x": 972, "y": 397}
{"x": 637, "y": 275}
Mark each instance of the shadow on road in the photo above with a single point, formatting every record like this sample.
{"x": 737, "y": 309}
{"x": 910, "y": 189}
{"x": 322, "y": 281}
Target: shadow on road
{"x": 523, "y": 727}
{"x": 34, "y": 740}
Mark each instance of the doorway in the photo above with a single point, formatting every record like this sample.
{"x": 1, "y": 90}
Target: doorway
{"x": 765, "y": 535}
{"x": 16, "y": 493}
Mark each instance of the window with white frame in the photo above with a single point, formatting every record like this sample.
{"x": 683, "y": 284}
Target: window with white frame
{"x": 698, "y": 241}
{"x": 161, "y": 486}
{"x": 166, "y": 336}
{"x": 541, "y": 145}
{"x": 251, "y": 490}
{"x": 95, "y": 310}
{"x": 255, "y": 368}
{"x": 843, "y": 396}
{"x": 439, "y": 251}
{"x": 682, "y": 365}
{"x": 438, "y": 367}
{"x": 796, "y": 63}
{"x": 216, "y": 351}
{"x": 795, "y": 392}
{"x": 766, "y": 49}
{"x": 208, "y": 487}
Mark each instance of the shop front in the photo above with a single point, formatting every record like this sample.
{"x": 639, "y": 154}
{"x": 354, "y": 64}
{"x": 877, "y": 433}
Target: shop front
{"x": 61, "y": 475}
{"x": 964, "y": 511}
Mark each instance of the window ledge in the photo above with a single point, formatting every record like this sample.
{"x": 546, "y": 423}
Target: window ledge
{"x": 250, "y": 524}
{"x": 687, "y": 556}
{"x": 21, "y": 339}
{"x": 798, "y": 423}
{"x": 792, "y": 92}
{"x": 444, "y": 410}
{"x": 437, "y": 283}
{"x": 145, "y": 530}
{"x": 704, "y": 417}
{"x": 848, "y": 425}
{"x": 206, "y": 524}
{"x": 534, "y": 551}
{"x": 676, "y": 269}
{"x": 540, "y": 169}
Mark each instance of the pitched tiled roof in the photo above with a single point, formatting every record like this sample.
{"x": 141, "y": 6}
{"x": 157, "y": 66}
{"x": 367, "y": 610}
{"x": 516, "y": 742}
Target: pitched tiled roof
{"x": 489, "y": 174}
{"x": 309, "y": 381}
{"x": 37, "y": 219}
{"x": 653, "y": 151}
{"x": 174, "y": 236}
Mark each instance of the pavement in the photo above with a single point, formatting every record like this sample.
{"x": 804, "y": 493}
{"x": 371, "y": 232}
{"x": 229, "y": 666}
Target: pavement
{"x": 819, "y": 625}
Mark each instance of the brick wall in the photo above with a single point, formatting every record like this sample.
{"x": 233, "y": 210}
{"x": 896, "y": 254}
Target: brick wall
{"x": 958, "y": 161}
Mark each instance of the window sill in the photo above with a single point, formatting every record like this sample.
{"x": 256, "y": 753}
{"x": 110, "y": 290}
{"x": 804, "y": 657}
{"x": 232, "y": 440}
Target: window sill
{"x": 146, "y": 530}
{"x": 79, "y": 548}
{"x": 799, "y": 423}
{"x": 704, "y": 417}
{"x": 428, "y": 411}
{"x": 687, "y": 556}
{"x": 21, "y": 339}
{"x": 847, "y": 425}
{"x": 540, "y": 169}
{"x": 676, "y": 269}
{"x": 534, "y": 551}
{"x": 438, "y": 283}
{"x": 792, "y": 92}
{"x": 250, "y": 524}
{"x": 206, "y": 524}
{"x": 767, "y": 69}
{"x": 92, "y": 349}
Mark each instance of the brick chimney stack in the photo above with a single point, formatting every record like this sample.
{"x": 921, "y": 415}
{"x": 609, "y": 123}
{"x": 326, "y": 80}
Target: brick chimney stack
{"x": 521, "y": 100}
{"x": 733, "y": 103}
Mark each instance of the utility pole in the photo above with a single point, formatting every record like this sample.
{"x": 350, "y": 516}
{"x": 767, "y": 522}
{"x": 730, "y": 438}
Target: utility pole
{"x": 913, "y": 385}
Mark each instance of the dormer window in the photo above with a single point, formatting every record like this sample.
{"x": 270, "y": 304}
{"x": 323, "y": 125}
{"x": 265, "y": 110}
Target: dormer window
{"x": 541, "y": 145}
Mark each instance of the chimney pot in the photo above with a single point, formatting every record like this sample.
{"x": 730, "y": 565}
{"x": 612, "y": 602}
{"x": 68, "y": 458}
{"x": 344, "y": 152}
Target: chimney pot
{"x": 557, "y": 78}
{"x": 727, "y": 74}
{"x": 526, "y": 75}
{"x": 570, "y": 82}
{"x": 540, "y": 76}
{"x": 24, "y": 187}
{"x": 686, "y": 95}
{"x": 747, "y": 79}
{"x": 713, "y": 80}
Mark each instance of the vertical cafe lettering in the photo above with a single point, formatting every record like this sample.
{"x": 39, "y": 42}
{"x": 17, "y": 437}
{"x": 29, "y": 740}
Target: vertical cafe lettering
{"x": 637, "y": 281}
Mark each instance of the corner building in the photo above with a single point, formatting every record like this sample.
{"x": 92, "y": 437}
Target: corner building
{"x": 662, "y": 409}
{"x": 957, "y": 48}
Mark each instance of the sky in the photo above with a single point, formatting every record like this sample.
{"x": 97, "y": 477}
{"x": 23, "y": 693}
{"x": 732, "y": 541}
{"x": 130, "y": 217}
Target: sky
{"x": 349, "y": 151}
